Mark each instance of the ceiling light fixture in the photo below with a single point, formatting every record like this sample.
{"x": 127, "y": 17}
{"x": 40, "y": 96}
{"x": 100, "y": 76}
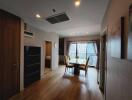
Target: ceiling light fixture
{"x": 38, "y": 16}
{"x": 77, "y": 3}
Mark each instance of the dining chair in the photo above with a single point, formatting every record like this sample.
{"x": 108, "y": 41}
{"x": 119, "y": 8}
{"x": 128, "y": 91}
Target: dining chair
{"x": 84, "y": 67}
{"x": 67, "y": 65}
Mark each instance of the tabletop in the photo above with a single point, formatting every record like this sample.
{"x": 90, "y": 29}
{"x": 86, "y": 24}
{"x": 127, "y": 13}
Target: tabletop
{"x": 77, "y": 61}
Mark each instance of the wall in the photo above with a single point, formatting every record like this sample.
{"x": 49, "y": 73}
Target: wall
{"x": 119, "y": 72}
{"x": 39, "y": 39}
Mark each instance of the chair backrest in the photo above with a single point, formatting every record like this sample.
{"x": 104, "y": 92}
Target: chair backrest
{"x": 66, "y": 60}
{"x": 87, "y": 62}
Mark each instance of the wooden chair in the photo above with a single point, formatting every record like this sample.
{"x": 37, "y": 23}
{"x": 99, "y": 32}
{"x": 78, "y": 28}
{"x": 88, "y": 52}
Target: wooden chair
{"x": 84, "y": 67}
{"x": 67, "y": 65}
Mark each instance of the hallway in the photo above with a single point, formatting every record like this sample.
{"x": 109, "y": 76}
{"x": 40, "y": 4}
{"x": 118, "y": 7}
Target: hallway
{"x": 57, "y": 86}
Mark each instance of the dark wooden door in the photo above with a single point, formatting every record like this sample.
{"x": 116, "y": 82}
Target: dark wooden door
{"x": 10, "y": 54}
{"x": 1, "y": 64}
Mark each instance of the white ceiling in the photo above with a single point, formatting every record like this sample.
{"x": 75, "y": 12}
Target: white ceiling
{"x": 84, "y": 20}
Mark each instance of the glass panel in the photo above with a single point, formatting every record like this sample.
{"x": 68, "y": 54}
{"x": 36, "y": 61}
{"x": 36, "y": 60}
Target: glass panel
{"x": 92, "y": 53}
{"x": 93, "y": 60}
{"x": 90, "y": 48}
{"x": 81, "y": 50}
{"x": 72, "y": 51}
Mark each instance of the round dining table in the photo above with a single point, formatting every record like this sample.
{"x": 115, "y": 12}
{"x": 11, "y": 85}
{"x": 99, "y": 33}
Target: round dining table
{"x": 77, "y": 63}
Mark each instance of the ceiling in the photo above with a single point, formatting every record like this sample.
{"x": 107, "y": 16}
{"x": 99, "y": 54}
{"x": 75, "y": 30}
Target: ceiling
{"x": 84, "y": 20}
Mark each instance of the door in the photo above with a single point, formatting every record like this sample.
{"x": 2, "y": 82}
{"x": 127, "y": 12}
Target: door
{"x": 1, "y": 55}
{"x": 10, "y": 54}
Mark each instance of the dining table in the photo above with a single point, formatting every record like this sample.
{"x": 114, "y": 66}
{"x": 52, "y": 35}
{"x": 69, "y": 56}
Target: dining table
{"x": 77, "y": 63}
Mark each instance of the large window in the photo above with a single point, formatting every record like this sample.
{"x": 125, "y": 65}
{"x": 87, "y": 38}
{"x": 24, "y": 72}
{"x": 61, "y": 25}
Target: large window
{"x": 84, "y": 50}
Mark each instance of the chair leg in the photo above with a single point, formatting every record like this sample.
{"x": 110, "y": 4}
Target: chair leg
{"x": 65, "y": 69}
{"x": 85, "y": 72}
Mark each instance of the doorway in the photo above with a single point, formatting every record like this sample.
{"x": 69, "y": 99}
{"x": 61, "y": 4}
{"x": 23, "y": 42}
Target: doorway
{"x": 48, "y": 56}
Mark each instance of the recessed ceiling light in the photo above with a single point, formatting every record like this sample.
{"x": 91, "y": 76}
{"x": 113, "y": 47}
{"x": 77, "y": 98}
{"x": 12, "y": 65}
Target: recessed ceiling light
{"x": 77, "y": 3}
{"x": 38, "y": 16}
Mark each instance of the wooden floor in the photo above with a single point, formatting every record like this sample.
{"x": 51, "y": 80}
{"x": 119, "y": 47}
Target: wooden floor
{"x": 57, "y": 86}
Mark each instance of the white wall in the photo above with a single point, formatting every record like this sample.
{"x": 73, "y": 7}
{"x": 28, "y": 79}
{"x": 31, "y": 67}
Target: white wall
{"x": 119, "y": 71}
{"x": 39, "y": 39}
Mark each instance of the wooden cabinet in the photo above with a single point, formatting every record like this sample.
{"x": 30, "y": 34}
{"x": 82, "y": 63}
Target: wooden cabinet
{"x": 9, "y": 54}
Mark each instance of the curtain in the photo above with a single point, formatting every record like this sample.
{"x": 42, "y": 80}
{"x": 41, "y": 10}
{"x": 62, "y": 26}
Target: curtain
{"x": 68, "y": 47}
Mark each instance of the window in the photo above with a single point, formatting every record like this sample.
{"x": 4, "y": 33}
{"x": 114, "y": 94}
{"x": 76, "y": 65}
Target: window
{"x": 84, "y": 50}
{"x": 72, "y": 51}
{"x": 81, "y": 50}
{"x": 92, "y": 53}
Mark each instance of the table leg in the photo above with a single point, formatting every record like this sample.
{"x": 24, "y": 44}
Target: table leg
{"x": 76, "y": 69}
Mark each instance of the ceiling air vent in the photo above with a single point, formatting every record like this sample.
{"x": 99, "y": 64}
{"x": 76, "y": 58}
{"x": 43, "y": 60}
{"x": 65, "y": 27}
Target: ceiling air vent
{"x": 58, "y": 18}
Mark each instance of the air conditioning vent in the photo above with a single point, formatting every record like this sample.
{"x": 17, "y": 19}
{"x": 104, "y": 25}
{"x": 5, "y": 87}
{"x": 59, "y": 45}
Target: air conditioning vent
{"x": 28, "y": 34}
{"x": 58, "y": 18}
